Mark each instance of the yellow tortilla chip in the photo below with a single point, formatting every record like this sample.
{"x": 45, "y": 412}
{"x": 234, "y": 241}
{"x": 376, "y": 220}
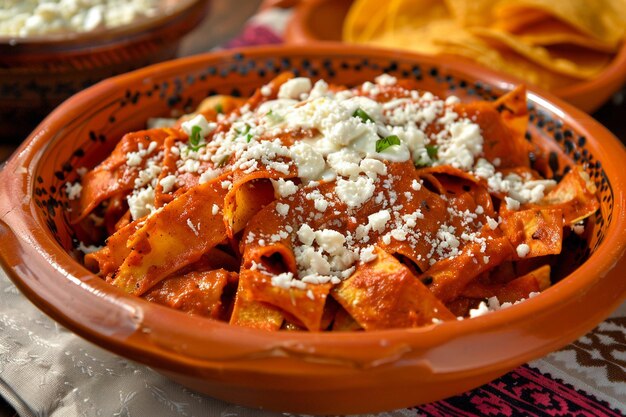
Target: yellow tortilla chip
{"x": 600, "y": 19}
{"x": 581, "y": 63}
{"x": 364, "y": 20}
{"x": 549, "y": 44}
{"x": 472, "y": 13}
{"x": 554, "y": 32}
{"x": 517, "y": 21}
{"x": 507, "y": 61}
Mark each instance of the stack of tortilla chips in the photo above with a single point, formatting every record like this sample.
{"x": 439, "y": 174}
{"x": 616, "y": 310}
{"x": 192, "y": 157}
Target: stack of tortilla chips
{"x": 550, "y": 43}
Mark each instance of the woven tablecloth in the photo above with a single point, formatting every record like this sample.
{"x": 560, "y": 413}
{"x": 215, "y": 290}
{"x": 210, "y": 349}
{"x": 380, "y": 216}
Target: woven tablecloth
{"x": 45, "y": 370}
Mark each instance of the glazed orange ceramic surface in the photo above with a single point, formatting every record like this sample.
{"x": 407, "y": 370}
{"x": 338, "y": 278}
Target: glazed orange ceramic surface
{"x": 322, "y": 20}
{"x": 317, "y": 373}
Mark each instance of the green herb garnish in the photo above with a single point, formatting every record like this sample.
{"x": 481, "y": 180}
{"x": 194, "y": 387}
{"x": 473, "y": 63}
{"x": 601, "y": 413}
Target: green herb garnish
{"x": 360, "y": 113}
{"x": 275, "y": 118}
{"x": 245, "y": 133}
{"x": 384, "y": 143}
{"x": 219, "y": 109}
{"x": 223, "y": 161}
{"x": 194, "y": 138}
{"x": 431, "y": 150}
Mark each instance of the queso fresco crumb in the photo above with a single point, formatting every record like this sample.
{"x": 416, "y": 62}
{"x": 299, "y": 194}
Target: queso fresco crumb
{"x": 23, "y": 18}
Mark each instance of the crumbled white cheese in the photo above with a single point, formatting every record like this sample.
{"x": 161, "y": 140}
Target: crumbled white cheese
{"x": 208, "y": 175}
{"x": 464, "y": 144}
{"x": 578, "y": 228}
{"x": 355, "y": 193}
{"x": 73, "y": 190}
{"x": 522, "y": 250}
{"x": 40, "y": 17}
{"x": 294, "y": 88}
{"x": 266, "y": 91}
{"x": 282, "y": 209}
{"x": 141, "y": 202}
{"x": 378, "y": 221}
{"x": 198, "y": 121}
{"x": 386, "y": 79}
{"x": 492, "y": 223}
{"x": 284, "y": 188}
{"x": 167, "y": 183}
{"x": 309, "y": 162}
{"x": 367, "y": 254}
{"x": 511, "y": 203}
{"x": 133, "y": 159}
{"x": 330, "y": 240}
{"x": 306, "y": 234}
{"x": 481, "y": 310}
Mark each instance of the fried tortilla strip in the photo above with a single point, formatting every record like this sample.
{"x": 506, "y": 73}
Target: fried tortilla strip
{"x": 251, "y": 313}
{"x": 344, "y": 322}
{"x": 114, "y": 175}
{"x": 450, "y": 276}
{"x": 196, "y": 292}
{"x": 172, "y": 238}
{"x": 249, "y": 194}
{"x": 507, "y": 118}
{"x": 108, "y": 259}
{"x": 535, "y": 281}
{"x": 575, "y": 194}
{"x": 540, "y": 229}
{"x": 384, "y": 294}
{"x": 306, "y": 304}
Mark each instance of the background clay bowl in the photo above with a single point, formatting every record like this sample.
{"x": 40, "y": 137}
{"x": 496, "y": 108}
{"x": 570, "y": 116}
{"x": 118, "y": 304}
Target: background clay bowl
{"x": 38, "y": 73}
{"x": 298, "y": 371}
{"x": 322, "y": 20}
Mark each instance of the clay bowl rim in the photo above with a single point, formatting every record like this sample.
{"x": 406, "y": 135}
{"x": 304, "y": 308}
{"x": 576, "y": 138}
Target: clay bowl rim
{"x": 89, "y": 39}
{"x": 23, "y": 234}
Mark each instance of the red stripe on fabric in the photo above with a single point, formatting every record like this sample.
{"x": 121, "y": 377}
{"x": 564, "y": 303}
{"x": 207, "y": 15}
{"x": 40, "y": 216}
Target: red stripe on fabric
{"x": 585, "y": 401}
{"x": 524, "y": 391}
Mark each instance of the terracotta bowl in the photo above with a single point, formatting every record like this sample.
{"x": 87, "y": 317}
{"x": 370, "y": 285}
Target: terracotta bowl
{"x": 38, "y": 73}
{"x": 298, "y": 371}
{"x": 322, "y": 20}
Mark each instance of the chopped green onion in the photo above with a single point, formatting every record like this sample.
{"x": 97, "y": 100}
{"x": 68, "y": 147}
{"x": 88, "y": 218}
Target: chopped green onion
{"x": 223, "y": 161}
{"x": 275, "y": 118}
{"x": 431, "y": 150}
{"x": 195, "y": 138}
{"x": 245, "y": 133}
{"x": 384, "y": 143}
{"x": 219, "y": 109}
{"x": 360, "y": 113}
